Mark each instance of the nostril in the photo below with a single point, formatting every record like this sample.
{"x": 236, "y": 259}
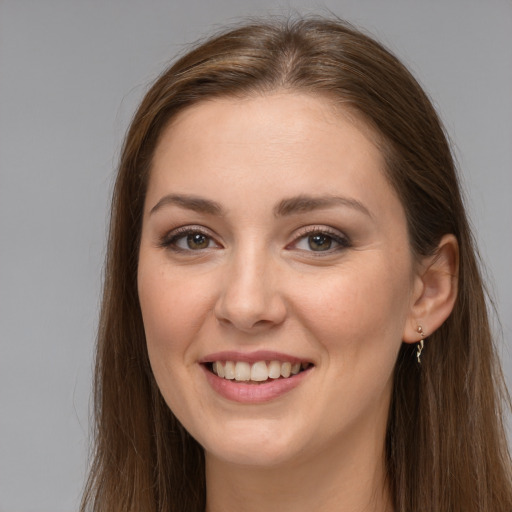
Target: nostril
{"x": 248, "y": 323}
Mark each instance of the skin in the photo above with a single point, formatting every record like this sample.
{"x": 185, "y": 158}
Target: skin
{"x": 256, "y": 283}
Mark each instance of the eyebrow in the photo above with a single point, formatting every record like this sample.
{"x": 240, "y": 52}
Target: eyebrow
{"x": 286, "y": 207}
{"x": 194, "y": 203}
{"x": 304, "y": 204}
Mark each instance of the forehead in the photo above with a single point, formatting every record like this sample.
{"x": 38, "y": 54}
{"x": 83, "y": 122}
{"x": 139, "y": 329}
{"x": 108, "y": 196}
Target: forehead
{"x": 283, "y": 143}
{"x": 254, "y": 111}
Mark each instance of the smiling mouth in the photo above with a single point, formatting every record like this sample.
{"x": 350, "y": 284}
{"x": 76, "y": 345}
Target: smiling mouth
{"x": 258, "y": 372}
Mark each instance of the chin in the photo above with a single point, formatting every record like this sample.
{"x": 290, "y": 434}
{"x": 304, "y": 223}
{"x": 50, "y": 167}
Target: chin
{"x": 263, "y": 446}
{"x": 251, "y": 454}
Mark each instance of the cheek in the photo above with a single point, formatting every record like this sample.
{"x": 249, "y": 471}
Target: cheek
{"x": 357, "y": 306}
{"x": 171, "y": 309}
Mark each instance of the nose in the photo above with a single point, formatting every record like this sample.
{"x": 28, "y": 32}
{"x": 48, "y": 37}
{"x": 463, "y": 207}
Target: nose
{"x": 250, "y": 299}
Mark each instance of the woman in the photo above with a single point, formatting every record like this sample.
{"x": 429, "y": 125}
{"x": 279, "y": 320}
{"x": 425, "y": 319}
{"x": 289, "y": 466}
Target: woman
{"x": 293, "y": 314}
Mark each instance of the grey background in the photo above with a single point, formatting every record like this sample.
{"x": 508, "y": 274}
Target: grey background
{"x": 71, "y": 73}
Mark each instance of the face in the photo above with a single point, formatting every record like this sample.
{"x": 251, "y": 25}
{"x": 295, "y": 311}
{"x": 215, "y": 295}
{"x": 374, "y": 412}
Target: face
{"x": 275, "y": 278}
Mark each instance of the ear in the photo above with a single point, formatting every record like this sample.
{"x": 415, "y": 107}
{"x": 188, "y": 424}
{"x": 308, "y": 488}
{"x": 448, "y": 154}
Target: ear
{"x": 435, "y": 290}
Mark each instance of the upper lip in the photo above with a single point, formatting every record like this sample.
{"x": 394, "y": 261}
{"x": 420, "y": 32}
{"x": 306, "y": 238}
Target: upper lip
{"x": 252, "y": 357}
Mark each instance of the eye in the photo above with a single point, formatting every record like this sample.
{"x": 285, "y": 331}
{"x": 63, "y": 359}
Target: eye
{"x": 320, "y": 240}
{"x": 188, "y": 239}
{"x": 317, "y": 242}
{"x": 193, "y": 241}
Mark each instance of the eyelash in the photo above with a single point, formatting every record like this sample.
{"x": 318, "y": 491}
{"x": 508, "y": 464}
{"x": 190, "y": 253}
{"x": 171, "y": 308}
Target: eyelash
{"x": 342, "y": 241}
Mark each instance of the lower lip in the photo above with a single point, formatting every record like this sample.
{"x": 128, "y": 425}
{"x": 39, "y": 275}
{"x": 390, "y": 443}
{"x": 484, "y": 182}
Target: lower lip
{"x": 253, "y": 393}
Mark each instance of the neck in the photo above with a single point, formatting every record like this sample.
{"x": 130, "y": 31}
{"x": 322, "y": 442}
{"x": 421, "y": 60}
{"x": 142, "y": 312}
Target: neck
{"x": 345, "y": 479}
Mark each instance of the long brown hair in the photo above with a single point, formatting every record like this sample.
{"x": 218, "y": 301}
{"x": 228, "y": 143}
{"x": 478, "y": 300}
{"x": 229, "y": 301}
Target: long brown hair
{"x": 446, "y": 449}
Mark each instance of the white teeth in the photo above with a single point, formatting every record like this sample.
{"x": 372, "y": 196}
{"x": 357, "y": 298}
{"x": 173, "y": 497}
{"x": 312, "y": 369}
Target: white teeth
{"x": 260, "y": 371}
{"x": 229, "y": 370}
{"x": 219, "y": 369}
{"x": 274, "y": 369}
{"x": 242, "y": 371}
{"x": 286, "y": 369}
